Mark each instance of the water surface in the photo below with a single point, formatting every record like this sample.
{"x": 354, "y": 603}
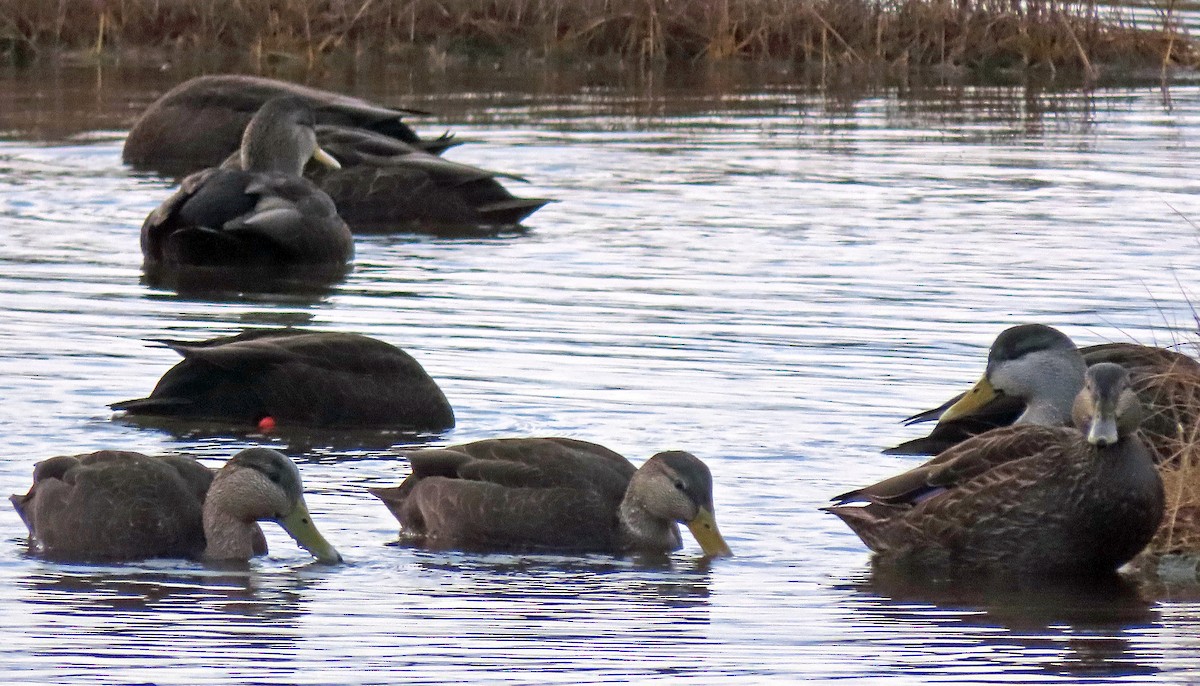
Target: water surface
{"x": 768, "y": 274}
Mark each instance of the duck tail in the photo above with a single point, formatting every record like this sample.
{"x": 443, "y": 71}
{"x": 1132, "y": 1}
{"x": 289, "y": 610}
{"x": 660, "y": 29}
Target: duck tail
{"x": 868, "y": 522}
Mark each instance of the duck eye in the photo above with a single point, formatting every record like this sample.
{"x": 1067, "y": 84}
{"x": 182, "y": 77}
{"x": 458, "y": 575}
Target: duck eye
{"x": 679, "y": 486}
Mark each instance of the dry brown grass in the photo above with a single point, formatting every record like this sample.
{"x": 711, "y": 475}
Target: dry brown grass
{"x": 966, "y": 33}
{"x": 1179, "y": 460}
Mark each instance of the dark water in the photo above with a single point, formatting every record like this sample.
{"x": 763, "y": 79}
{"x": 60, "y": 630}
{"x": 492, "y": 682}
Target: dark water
{"x": 767, "y": 274}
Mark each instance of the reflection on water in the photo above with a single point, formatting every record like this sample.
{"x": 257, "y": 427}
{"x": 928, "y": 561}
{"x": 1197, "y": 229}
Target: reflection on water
{"x": 767, "y": 272}
{"x": 296, "y": 442}
{"x": 1064, "y": 628}
{"x": 71, "y": 589}
{"x": 141, "y": 622}
{"x": 536, "y": 611}
{"x": 308, "y": 283}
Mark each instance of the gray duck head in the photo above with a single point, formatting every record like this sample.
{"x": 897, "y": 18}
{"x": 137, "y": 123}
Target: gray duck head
{"x": 1107, "y": 410}
{"x": 281, "y": 137}
{"x": 1034, "y": 363}
{"x": 675, "y": 486}
{"x": 263, "y": 484}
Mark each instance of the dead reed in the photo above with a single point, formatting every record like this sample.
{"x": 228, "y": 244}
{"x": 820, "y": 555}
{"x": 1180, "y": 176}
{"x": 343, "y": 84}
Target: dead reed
{"x": 976, "y": 34}
{"x": 1176, "y": 442}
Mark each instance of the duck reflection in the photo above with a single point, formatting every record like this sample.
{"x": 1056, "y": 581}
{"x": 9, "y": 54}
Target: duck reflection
{"x": 310, "y": 284}
{"x": 231, "y": 591}
{"x": 1068, "y": 627}
{"x": 146, "y": 620}
{"x": 292, "y": 441}
{"x": 634, "y": 590}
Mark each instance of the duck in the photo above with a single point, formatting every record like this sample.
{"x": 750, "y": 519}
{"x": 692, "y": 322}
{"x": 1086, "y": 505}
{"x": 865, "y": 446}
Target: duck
{"x": 553, "y": 494}
{"x": 390, "y": 179}
{"x": 199, "y": 122}
{"x": 1167, "y": 383}
{"x": 386, "y": 185}
{"x": 262, "y": 215}
{"x": 1032, "y": 374}
{"x": 116, "y": 505}
{"x": 1024, "y": 499}
{"x": 270, "y": 378}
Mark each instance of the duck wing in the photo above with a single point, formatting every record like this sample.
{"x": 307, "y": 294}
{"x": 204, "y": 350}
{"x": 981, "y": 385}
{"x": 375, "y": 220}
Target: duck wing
{"x": 116, "y": 505}
{"x": 542, "y": 493}
{"x": 960, "y": 464}
{"x": 530, "y": 462}
{"x": 296, "y": 218}
{"x": 228, "y": 217}
{"x": 387, "y": 185}
{"x": 929, "y": 510}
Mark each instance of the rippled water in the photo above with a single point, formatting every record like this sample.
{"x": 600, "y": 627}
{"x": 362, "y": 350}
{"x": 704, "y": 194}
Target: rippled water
{"x": 766, "y": 274}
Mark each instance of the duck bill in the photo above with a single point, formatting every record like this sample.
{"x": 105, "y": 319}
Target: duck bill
{"x": 326, "y": 159}
{"x": 299, "y": 526}
{"x": 1102, "y": 430}
{"x": 704, "y": 528}
{"x": 973, "y": 401}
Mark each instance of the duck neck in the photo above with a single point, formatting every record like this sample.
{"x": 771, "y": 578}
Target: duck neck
{"x": 226, "y": 536}
{"x": 1054, "y": 407}
{"x": 1058, "y": 382}
{"x": 1045, "y": 413}
{"x": 642, "y": 530}
{"x": 269, "y": 149}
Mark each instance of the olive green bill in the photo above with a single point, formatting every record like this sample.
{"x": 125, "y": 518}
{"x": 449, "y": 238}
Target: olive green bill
{"x": 974, "y": 400}
{"x": 704, "y": 527}
{"x": 299, "y": 526}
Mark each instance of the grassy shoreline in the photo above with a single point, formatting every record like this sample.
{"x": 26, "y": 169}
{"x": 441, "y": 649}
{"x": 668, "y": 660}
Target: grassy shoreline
{"x": 976, "y": 35}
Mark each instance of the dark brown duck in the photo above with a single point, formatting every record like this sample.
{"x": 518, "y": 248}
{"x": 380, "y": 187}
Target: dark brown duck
{"x": 117, "y": 505}
{"x": 297, "y": 378}
{"x": 261, "y": 215}
{"x": 389, "y": 179}
{"x": 1024, "y": 499}
{"x": 553, "y": 494}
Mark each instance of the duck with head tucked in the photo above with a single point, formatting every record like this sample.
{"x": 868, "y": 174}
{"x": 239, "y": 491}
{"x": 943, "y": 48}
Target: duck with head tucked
{"x": 263, "y": 215}
{"x": 390, "y": 178}
{"x": 199, "y": 122}
{"x": 297, "y": 378}
{"x": 115, "y": 505}
{"x": 1024, "y": 499}
{"x": 555, "y": 494}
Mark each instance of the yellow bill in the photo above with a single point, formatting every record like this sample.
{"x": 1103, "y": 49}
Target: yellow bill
{"x": 299, "y": 526}
{"x": 975, "y": 399}
{"x": 704, "y": 528}
{"x": 326, "y": 159}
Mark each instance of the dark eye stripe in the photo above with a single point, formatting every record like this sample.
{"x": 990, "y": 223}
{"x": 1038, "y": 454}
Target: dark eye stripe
{"x": 268, "y": 468}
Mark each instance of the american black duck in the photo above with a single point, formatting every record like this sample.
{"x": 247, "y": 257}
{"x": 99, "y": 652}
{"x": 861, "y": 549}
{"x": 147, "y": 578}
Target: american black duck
{"x": 198, "y": 123}
{"x": 262, "y": 216}
{"x": 553, "y": 494}
{"x": 1024, "y": 499}
{"x": 385, "y": 185}
{"x": 390, "y": 179}
{"x": 295, "y": 378}
{"x": 117, "y": 505}
{"x": 1030, "y": 374}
